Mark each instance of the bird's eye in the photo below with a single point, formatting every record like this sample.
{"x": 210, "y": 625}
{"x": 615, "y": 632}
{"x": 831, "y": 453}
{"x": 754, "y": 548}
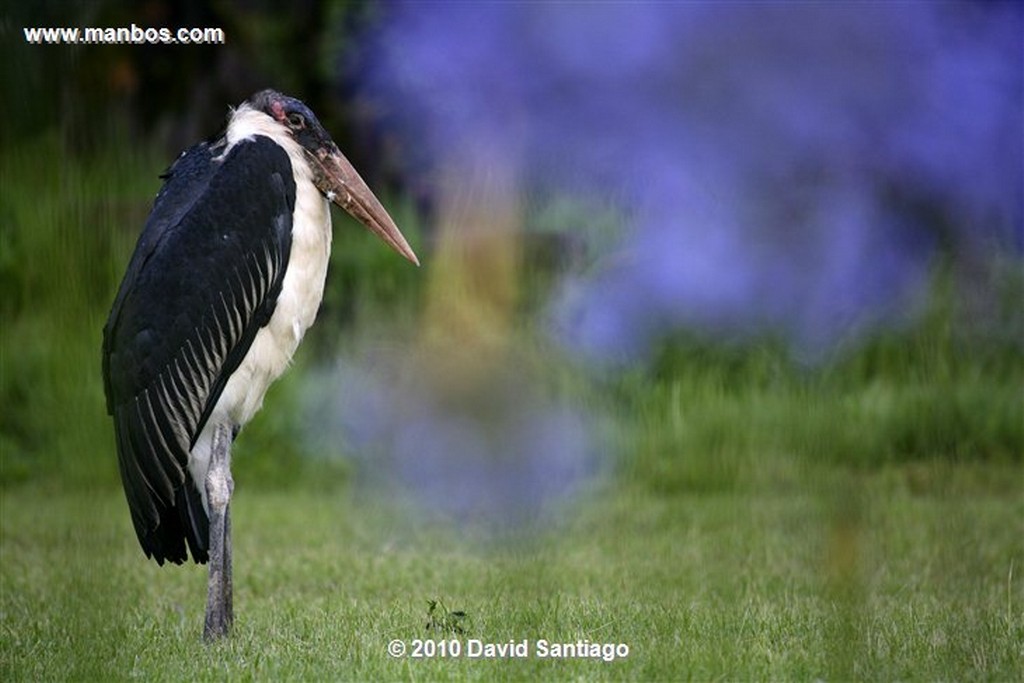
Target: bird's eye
{"x": 296, "y": 120}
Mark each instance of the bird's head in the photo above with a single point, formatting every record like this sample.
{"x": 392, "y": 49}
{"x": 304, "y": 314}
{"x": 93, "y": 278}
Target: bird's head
{"x": 333, "y": 174}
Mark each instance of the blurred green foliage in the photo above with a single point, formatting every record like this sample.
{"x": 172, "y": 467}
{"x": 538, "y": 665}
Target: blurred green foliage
{"x": 65, "y": 236}
{"x": 929, "y": 391}
{"x": 703, "y": 415}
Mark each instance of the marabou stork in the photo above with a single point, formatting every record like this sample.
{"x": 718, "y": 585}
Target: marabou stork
{"x": 226, "y": 277}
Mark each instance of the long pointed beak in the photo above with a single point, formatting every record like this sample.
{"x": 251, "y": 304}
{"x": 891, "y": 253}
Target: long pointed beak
{"x": 339, "y": 181}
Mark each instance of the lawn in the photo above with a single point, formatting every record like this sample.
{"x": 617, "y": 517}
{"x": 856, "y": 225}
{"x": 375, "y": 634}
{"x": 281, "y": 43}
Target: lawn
{"x": 882, "y": 580}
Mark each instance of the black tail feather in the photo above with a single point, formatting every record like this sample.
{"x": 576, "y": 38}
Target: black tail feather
{"x": 183, "y": 527}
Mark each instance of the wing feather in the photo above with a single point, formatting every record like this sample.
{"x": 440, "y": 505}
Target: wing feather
{"x": 204, "y": 278}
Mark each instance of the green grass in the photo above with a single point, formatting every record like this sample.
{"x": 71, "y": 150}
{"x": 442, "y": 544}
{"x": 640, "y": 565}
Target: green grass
{"x": 877, "y": 582}
{"x": 858, "y": 519}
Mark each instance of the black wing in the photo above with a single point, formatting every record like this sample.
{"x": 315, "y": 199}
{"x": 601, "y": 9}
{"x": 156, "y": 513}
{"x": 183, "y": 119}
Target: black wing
{"x": 203, "y": 280}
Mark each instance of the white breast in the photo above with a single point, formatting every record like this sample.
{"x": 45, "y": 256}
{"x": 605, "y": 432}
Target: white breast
{"x": 301, "y": 293}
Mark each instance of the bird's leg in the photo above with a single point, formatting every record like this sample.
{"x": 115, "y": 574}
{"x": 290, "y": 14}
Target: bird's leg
{"x": 219, "y": 486}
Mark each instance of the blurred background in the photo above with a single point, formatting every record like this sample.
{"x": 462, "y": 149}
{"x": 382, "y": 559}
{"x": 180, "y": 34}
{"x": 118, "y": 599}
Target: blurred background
{"x": 667, "y": 247}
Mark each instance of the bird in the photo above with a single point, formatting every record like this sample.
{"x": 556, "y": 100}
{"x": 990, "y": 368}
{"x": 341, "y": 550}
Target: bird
{"x": 226, "y": 277}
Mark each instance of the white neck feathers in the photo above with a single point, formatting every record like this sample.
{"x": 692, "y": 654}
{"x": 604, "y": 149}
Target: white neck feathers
{"x": 246, "y": 122}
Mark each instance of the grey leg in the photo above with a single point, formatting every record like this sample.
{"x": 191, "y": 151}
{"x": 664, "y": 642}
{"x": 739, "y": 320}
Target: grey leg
{"x": 219, "y": 486}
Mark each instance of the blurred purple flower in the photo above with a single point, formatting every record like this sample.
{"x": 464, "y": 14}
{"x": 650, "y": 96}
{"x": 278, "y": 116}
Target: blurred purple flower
{"x": 495, "y": 453}
{"x": 788, "y": 165}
